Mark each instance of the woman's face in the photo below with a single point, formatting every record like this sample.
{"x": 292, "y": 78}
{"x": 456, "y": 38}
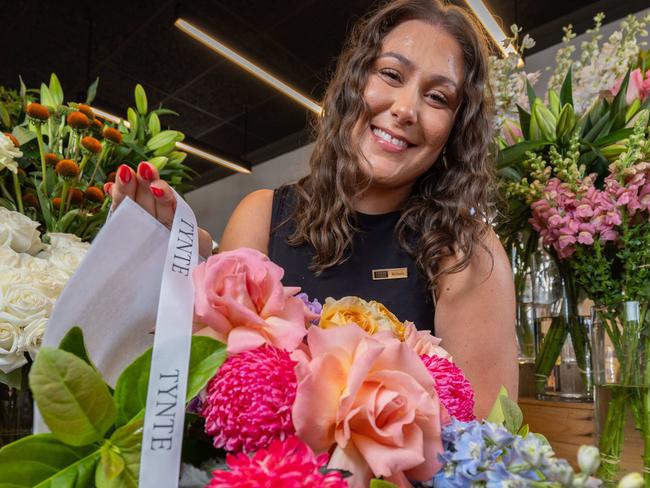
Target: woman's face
{"x": 413, "y": 92}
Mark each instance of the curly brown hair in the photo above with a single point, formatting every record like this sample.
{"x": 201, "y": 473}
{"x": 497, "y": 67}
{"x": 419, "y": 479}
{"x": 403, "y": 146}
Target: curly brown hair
{"x": 445, "y": 213}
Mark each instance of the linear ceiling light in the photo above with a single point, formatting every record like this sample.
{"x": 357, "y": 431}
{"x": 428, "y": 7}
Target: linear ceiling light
{"x": 183, "y": 147}
{"x": 236, "y": 58}
{"x": 490, "y": 24}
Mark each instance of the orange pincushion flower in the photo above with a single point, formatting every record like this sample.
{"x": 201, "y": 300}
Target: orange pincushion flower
{"x": 86, "y": 110}
{"x": 30, "y": 200}
{"x": 111, "y": 177}
{"x": 67, "y": 168}
{"x": 91, "y": 144}
{"x": 76, "y": 196}
{"x": 38, "y": 111}
{"x": 78, "y": 120}
{"x": 56, "y": 202}
{"x": 94, "y": 194}
{"x": 112, "y": 135}
{"x": 51, "y": 159}
{"x": 13, "y": 139}
{"x": 97, "y": 124}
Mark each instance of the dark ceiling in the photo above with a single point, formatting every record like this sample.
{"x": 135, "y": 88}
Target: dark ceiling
{"x": 222, "y": 108}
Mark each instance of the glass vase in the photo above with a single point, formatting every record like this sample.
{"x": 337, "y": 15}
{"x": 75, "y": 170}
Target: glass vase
{"x": 16, "y": 412}
{"x": 620, "y": 346}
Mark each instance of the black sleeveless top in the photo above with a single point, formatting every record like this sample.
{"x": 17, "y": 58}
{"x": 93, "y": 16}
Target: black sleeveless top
{"x": 375, "y": 248}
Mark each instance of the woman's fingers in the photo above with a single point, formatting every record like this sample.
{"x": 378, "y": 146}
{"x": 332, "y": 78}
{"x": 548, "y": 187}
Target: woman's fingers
{"x": 165, "y": 202}
{"x": 145, "y": 175}
{"x": 125, "y": 185}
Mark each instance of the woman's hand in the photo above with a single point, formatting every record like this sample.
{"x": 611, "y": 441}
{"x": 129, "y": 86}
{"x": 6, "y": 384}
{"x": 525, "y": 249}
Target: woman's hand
{"x": 153, "y": 194}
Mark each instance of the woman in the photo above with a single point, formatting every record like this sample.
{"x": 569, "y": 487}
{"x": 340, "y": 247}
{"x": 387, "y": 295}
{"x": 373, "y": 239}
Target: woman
{"x": 399, "y": 180}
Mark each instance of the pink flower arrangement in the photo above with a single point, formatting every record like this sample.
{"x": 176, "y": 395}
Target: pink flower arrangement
{"x": 239, "y": 299}
{"x": 637, "y": 88}
{"x": 249, "y": 400}
{"x": 373, "y": 400}
{"x": 287, "y": 464}
{"x": 454, "y": 390}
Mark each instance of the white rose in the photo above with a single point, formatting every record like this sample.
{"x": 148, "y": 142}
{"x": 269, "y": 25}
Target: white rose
{"x": 24, "y": 301}
{"x": 8, "y": 257}
{"x": 33, "y": 336}
{"x": 19, "y": 232}
{"x": 50, "y": 285}
{"x": 10, "y": 277}
{"x": 61, "y": 240}
{"x": 33, "y": 264}
{"x": 8, "y": 154}
{"x": 11, "y": 355}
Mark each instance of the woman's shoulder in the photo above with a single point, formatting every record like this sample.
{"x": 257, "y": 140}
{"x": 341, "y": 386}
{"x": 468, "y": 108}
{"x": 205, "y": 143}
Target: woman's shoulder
{"x": 250, "y": 223}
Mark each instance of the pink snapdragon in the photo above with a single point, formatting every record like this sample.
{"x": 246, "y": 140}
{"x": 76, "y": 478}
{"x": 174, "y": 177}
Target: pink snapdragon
{"x": 638, "y": 86}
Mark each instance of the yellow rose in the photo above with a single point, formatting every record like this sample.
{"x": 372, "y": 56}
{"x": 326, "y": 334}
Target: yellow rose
{"x": 372, "y": 316}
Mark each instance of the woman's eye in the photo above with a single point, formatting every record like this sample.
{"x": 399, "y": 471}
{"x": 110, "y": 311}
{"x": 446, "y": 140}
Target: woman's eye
{"x": 438, "y": 98}
{"x": 391, "y": 74}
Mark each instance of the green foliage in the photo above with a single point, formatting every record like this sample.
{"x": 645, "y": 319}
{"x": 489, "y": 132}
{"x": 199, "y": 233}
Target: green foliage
{"x": 377, "y": 483}
{"x": 506, "y": 412}
{"x": 88, "y": 446}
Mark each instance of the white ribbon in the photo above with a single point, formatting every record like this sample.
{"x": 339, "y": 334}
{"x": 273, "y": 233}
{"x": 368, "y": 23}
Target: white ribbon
{"x": 165, "y": 411}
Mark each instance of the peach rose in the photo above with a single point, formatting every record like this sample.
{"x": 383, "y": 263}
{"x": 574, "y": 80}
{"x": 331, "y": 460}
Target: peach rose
{"x": 422, "y": 342}
{"x": 373, "y": 317}
{"x": 239, "y": 299}
{"x": 372, "y": 398}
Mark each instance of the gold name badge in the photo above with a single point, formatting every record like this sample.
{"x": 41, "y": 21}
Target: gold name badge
{"x": 390, "y": 274}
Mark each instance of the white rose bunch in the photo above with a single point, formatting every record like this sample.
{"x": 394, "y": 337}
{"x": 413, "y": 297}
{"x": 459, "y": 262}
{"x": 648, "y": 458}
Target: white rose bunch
{"x": 32, "y": 276}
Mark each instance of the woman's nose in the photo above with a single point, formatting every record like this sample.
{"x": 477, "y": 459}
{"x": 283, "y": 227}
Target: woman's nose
{"x": 405, "y": 106}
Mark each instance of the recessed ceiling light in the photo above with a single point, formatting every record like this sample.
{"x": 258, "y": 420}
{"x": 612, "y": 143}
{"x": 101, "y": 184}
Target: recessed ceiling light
{"x": 241, "y": 61}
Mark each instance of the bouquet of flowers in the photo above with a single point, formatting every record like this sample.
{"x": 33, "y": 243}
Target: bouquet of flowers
{"x": 32, "y": 275}
{"x": 295, "y": 394}
{"x": 592, "y": 104}
{"x": 55, "y": 163}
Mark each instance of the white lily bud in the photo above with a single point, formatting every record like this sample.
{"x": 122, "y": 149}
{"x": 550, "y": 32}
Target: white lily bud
{"x": 588, "y": 459}
{"x": 632, "y": 480}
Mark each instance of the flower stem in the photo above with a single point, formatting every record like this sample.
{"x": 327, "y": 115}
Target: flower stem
{"x": 611, "y": 440}
{"x": 82, "y": 165}
{"x": 97, "y": 164}
{"x": 64, "y": 194}
{"x": 41, "y": 150}
{"x": 19, "y": 193}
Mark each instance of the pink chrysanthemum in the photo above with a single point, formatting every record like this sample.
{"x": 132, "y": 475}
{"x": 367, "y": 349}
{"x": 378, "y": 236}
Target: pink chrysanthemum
{"x": 249, "y": 400}
{"x": 454, "y": 390}
{"x": 287, "y": 464}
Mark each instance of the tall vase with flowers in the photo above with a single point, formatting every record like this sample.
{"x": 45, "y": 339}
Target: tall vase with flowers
{"x": 601, "y": 230}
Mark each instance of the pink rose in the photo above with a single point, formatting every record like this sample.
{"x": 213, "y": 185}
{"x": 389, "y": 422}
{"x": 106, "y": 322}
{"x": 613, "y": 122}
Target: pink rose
{"x": 422, "y": 342}
{"x": 373, "y": 399}
{"x": 238, "y": 295}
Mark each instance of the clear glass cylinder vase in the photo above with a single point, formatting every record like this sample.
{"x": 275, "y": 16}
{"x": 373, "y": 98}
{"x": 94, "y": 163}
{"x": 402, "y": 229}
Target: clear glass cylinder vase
{"x": 16, "y": 413}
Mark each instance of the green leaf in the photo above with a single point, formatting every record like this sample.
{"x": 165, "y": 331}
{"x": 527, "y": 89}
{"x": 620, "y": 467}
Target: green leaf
{"x": 497, "y": 415}
{"x": 71, "y": 396}
{"x": 154, "y": 124}
{"x": 46, "y": 96}
{"x": 73, "y": 342}
{"x": 516, "y": 153}
{"x": 162, "y": 139}
{"x": 23, "y": 134}
{"x": 132, "y": 116}
{"x": 13, "y": 379}
{"x": 122, "y": 459}
{"x": 55, "y": 89}
{"x": 92, "y": 91}
{"x": 566, "y": 91}
{"x": 512, "y": 413}
{"x": 532, "y": 96}
{"x": 619, "y": 104}
{"x": 206, "y": 356}
{"x": 524, "y": 430}
{"x": 377, "y": 483}
{"x": 524, "y": 121}
{"x": 4, "y": 116}
{"x": 509, "y": 173}
{"x": 23, "y": 88}
{"x": 614, "y": 137}
{"x": 164, "y": 111}
{"x": 43, "y": 460}
{"x": 159, "y": 162}
{"x": 140, "y": 99}
{"x": 63, "y": 224}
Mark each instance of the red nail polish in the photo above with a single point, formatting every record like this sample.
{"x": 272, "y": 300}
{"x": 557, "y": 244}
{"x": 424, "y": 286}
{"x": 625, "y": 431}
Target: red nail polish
{"x": 145, "y": 170}
{"x": 157, "y": 192}
{"x": 124, "y": 173}
{"x": 108, "y": 188}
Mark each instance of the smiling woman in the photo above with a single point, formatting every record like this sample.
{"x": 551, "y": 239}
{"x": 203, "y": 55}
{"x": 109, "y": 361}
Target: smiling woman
{"x": 394, "y": 208}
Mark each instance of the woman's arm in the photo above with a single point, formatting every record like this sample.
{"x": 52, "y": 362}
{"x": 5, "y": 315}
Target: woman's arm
{"x": 475, "y": 318}
{"x": 250, "y": 223}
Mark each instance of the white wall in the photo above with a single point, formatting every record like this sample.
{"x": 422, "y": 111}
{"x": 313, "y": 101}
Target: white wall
{"x": 541, "y": 59}
{"x": 213, "y": 203}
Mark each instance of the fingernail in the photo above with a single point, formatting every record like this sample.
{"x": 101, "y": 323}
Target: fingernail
{"x": 157, "y": 192}
{"x": 145, "y": 170}
{"x": 124, "y": 173}
{"x": 108, "y": 188}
